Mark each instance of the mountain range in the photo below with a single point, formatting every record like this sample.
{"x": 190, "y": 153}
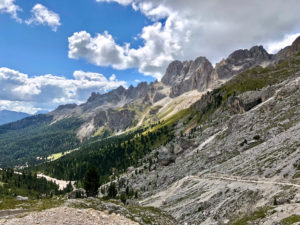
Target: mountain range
{"x": 7, "y": 116}
{"x": 183, "y": 84}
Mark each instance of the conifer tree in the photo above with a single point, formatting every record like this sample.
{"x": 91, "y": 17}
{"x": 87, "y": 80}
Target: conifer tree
{"x": 91, "y": 182}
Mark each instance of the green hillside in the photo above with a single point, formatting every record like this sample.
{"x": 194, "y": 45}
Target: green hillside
{"x": 32, "y": 139}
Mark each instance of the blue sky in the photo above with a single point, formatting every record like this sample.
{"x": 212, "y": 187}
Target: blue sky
{"x": 37, "y": 50}
{"x": 56, "y": 52}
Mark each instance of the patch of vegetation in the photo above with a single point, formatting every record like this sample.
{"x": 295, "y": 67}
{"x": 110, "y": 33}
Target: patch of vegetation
{"x": 56, "y": 156}
{"x": 290, "y": 220}
{"x": 26, "y": 184}
{"x": 103, "y": 132}
{"x": 256, "y": 137}
{"x": 91, "y": 182}
{"x": 257, "y": 78}
{"x": 296, "y": 175}
{"x": 256, "y": 215}
{"x": 31, "y": 204}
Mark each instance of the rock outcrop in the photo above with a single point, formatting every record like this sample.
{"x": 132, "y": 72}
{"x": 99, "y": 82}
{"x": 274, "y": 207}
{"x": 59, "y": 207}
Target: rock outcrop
{"x": 288, "y": 51}
{"x": 187, "y": 76}
{"x": 240, "y": 61}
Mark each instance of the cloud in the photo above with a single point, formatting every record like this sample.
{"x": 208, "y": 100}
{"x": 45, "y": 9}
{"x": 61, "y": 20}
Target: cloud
{"x": 19, "y": 106}
{"x": 43, "y": 16}
{"x": 9, "y": 6}
{"x": 121, "y": 2}
{"x": 100, "y": 50}
{"x": 274, "y": 47}
{"x": 187, "y": 29}
{"x": 30, "y": 94}
{"x": 112, "y": 77}
{"x": 161, "y": 43}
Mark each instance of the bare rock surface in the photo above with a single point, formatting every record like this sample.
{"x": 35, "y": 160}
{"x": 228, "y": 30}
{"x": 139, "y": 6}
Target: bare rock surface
{"x": 71, "y": 216}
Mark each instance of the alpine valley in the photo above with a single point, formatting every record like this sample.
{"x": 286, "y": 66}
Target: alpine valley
{"x": 205, "y": 145}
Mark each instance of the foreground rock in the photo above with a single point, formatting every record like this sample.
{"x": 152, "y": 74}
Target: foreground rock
{"x": 64, "y": 215}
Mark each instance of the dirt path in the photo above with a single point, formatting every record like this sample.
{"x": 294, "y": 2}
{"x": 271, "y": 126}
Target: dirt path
{"x": 256, "y": 181}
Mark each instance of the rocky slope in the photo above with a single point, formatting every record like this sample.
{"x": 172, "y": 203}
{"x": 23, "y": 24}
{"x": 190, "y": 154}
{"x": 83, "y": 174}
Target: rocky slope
{"x": 238, "y": 161}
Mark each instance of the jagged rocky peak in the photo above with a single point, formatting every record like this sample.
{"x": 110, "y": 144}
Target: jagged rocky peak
{"x": 93, "y": 96}
{"x": 120, "y": 90}
{"x": 255, "y": 53}
{"x": 200, "y": 74}
{"x": 139, "y": 91}
{"x": 241, "y": 60}
{"x": 188, "y": 75}
{"x": 114, "y": 94}
{"x": 173, "y": 69}
{"x": 179, "y": 71}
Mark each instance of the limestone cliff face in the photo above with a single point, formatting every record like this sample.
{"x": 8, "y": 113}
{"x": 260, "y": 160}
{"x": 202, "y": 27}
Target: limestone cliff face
{"x": 200, "y": 74}
{"x": 288, "y": 51}
{"x": 188, "y": 75}
{"x": 240, "y": 61}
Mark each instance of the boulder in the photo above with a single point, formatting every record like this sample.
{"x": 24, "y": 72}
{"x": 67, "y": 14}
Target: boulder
{"x": 78, "y": 193}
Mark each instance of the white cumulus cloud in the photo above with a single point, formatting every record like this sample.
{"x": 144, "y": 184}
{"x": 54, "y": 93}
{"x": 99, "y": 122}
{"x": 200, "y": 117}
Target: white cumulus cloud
{"x": 29, "y": 94}
{"x": 122, "y": 2}
{"x": 41, "y": 15}
{"x": 9, "y": 6}
{"x": 161, "y": 44}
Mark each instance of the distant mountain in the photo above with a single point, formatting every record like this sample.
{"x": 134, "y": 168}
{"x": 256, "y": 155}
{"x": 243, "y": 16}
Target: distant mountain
{"x": 7, "y": 116}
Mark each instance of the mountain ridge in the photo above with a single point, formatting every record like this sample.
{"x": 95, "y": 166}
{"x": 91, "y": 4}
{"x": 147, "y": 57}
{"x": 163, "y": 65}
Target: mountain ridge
{"x": 180, "y": 78}
{"x": 7, "y": 116}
